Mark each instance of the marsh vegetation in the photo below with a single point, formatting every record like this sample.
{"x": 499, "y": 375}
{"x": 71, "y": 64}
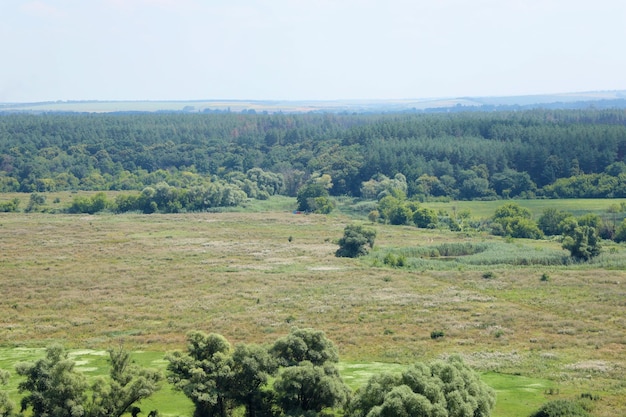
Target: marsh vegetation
{"x": 91, "y": 281}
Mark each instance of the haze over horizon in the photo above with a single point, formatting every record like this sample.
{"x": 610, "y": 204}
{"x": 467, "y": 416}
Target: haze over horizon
{"x": 307, "y": 50}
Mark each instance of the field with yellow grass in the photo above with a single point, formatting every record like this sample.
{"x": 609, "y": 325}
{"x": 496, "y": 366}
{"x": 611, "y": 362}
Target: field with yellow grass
{"x": 146, "y": 280}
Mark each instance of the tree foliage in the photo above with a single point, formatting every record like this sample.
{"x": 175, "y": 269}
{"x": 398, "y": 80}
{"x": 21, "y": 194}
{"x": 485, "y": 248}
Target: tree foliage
{"x": 583, "y": 242}
{"x": 515, "y": 221}
{"x": 561, "y": 408}
{"x": 551, "y": 220}
{"x": 204, "y": 374}
{"x": 302, "y": 345}
{"x": 310, "y": 388}
{"x": 218, "y": 379}
{"x": 314, "y": 197}
{"x": 356, "y": 241}
{"x": 7, "y": 406}
{"x": 551, "y": 153}
{"x": 53, "y": 388}
{"x": 309, "y": 381}
{"x": 127, "y": 384}
{"x": 440, "y": 389}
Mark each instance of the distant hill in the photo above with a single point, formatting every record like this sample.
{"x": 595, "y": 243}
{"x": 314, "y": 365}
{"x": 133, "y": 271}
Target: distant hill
{"x": 584, "y": 100}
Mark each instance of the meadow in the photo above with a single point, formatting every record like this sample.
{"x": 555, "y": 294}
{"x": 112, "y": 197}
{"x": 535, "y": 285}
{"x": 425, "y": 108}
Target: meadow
{"x": 536, "y": 331}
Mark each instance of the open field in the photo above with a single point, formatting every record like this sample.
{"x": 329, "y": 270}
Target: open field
{"x": 576, "y": 206}
{"x": 93, "y": 281}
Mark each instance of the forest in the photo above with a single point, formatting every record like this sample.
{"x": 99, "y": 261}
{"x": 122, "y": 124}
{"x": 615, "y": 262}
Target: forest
{"x": 466, "y": 156}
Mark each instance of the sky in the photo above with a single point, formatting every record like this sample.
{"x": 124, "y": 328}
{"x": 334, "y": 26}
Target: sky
{"x": 307, "y": 49}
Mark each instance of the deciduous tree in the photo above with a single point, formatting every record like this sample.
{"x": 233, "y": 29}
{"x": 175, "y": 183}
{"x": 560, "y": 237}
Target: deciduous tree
{"x": 53, "y": 387}
{"x": 356, "y": 241}
{"x": 127, "y": 385}
{"x": 442, "y": 388}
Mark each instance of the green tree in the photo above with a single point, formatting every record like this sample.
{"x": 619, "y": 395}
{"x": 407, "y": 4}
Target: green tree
{"x": 204, "y": 374}
{"x": 309, "y": 388}
{"x": 6, "y": 405}
{"x": 252, "y": 367}
{"x": 620, "y": 233}
{"x": 304, "y": 345}
{"x": 313, "y": 196}
{"x": 550, "y": 220}
{"x": 356, "y": 241}
{"x": 90, "y": 205}
{"x": 400, "y": 215}
{"x": 35, "y": 201}
{"x": 583, "y": 242}
{"x": 53, "y": 387}
{"x": 442, "y": 388}
{"x": 425, "y": 218}
{"x": 127, "y": 385}
{"x": 310, "y": 380}
{"x": 10, "y": 206}
{"x": 516, "y": 221}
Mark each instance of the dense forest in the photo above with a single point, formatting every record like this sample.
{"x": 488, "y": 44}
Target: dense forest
{"x": 472, "y": 155}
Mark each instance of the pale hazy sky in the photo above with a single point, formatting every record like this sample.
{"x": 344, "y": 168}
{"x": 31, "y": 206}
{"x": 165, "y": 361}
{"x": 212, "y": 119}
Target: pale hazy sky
{"x": 307, "y": 49}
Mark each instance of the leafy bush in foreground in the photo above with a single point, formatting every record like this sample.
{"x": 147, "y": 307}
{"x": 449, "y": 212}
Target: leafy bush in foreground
{"x": 561, "y": 408}
{"x": 53, "y": 387}
{"x": 441, "y": 388}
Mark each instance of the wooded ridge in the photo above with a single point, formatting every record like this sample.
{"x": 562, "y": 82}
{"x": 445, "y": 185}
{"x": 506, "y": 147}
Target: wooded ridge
{"x": 471, "y": 155}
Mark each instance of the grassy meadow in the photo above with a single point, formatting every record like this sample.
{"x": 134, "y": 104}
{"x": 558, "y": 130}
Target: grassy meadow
{"x": 537, "y": 330}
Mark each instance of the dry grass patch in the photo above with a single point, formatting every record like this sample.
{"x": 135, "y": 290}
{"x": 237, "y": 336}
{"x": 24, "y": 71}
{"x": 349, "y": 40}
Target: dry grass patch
{"x": 91, "y": 281}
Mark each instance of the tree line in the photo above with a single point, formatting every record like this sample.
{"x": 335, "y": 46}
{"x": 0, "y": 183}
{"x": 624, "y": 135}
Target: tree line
{"x": 295, "y": 376}
{"x": 482, "y": 155}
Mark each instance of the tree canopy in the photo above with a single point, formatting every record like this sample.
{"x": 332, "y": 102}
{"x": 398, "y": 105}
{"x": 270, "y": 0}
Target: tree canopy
{"x": 439, "y": 389}
{"x": 469, "y": 155}
{"x": 53, "y": 387}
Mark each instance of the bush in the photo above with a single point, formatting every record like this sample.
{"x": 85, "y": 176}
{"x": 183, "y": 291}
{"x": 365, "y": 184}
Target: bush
{"x": 441, "y": 388}
{"x": 561, "y": 408}
{"x": 356, "y": 241}
{"x": 425, "y": 218}
{"x": 620, "y": 233}
{"x": 10, "y": 206}
{"x": 437, "y": 334}
{"x": 313, "y": 197}
{"x": 583, "y": 242}
{"x": 89, "y": 205}
{"x": 394, "y": 261}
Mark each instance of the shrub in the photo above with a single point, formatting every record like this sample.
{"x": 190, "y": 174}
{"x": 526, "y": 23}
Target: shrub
{"x": 425, "y": 218}
{"x": 394, "y": 261}
{"x": 583, "y": 242}
{"x": 561, "y": 408}
{"x": 441, "y": 388}
{"x": 356, "y": 241}
{"x": 10, "y": 206}
{"x": 436, "y": 334}
{"x": 620, "y": 233}
{"x": 550, "y": 220}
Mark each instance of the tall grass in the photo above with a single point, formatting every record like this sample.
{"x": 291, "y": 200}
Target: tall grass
{"x": 448, "y": 256}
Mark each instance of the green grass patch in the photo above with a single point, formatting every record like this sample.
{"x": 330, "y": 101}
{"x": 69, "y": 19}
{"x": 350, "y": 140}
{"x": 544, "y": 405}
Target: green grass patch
{"x": 448, "y": 256}
{"x": 517, "y": 396}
